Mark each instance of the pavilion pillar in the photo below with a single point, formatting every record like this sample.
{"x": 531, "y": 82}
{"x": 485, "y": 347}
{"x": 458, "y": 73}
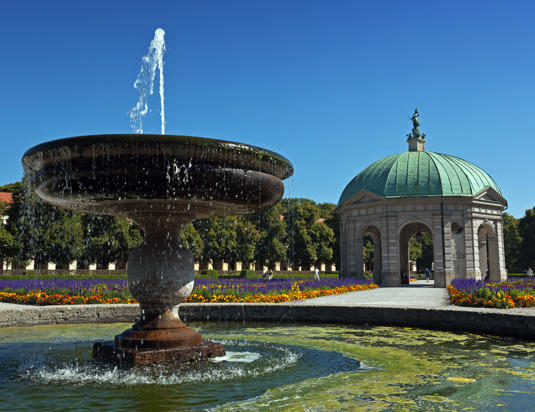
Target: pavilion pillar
{"x": 390, "y": 271}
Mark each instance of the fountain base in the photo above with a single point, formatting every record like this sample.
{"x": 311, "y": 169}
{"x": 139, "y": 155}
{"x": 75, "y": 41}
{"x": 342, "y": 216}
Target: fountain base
{"x": 162, "y": 339}
{"x": 110, "y": 353}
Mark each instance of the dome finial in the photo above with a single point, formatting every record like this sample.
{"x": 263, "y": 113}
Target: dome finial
{"x": 415, "y": 139}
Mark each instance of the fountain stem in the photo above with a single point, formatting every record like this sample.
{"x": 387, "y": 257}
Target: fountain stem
{"x": 160, "y": 270}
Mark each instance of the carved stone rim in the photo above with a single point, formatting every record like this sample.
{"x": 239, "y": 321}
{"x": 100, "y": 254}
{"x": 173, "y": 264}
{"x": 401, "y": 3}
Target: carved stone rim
{"x": 266, "y": 158}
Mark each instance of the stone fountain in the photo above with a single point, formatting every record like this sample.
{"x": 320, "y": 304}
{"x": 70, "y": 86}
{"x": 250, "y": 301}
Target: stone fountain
{"x": 161, "y": 182}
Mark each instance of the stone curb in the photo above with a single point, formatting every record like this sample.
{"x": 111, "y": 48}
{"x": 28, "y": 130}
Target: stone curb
{"x": 25, "y": 315}
{"x": 511, "y": 322}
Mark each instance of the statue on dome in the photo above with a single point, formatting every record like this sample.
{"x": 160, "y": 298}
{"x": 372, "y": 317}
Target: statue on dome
{"x": 415, "y": 123}
{"x": 414, "y": 118}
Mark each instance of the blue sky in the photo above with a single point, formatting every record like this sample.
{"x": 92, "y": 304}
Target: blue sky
{"x": 328, "y": 84}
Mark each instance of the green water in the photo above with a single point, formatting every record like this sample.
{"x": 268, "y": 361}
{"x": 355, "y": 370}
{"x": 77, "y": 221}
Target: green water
{"x": 274, "y": 367}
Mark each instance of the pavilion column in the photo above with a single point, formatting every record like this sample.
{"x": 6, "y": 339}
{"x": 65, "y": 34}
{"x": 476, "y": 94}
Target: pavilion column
{"x": 477, "y": 273}
{"x": 377, "y": 258}
{"x": 449, "y": 251}
{"x": 438, "y": 253}
{"x": 472, "y": 271}
{"x": 482, "y": 249}
{"x": 404, "y": 252}
{"x": 344, "y": 249}
{"x": 390, "y": 271}
{"x": 353, "y": 256}
{"x": 359, "y": 257}
{"x": 501, "y": 251}
{"x": 494, "y": 263}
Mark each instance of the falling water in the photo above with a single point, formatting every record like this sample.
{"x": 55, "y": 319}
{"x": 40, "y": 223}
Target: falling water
{"x": 145, "y": 82}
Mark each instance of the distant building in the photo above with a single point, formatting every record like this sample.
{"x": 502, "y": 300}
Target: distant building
{"x": 418, "y": 192}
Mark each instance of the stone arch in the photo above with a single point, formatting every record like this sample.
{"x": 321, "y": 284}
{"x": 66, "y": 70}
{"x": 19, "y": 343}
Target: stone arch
{"x": 373, "y": 230}
{"x": 406, "y": 231}
{"x": 488, "y": 252}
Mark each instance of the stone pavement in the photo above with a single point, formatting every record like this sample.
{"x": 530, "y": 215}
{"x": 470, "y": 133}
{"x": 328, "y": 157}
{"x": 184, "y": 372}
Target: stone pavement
{"x": 4, "y": 306}
{"x": 418, "y": 294}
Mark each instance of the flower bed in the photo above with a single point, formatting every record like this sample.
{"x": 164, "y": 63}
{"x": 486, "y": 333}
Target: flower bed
{"x": 273, "y": 291}
{"x": 110, "y": 291}
{"x": 477, "y": 293}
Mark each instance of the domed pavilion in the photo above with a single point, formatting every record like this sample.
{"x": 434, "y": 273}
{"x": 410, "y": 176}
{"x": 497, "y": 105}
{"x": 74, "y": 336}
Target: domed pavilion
{"x": 416, "y": 192}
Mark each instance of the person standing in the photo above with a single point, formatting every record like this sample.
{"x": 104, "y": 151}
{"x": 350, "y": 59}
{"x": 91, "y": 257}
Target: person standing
{"x": 427, "y": 274}
{"x": 270, "y": 274}
{"x": 316, "y": 274}
{"x": 530, "y": 272}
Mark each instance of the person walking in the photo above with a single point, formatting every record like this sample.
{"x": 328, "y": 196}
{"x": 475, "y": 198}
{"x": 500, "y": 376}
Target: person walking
{"x": 316, "y": 274}
{"x": 530, "y": 272}
{"x": 427, "y": 274}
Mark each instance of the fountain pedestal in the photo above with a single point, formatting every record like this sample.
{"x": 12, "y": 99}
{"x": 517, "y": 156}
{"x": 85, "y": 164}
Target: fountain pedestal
{"x": 108, "y": 352}
{"x": 160, "y": 277}
{"x": 158, "y": 340}
{"x": 159, "y": 333}
{"x": 157, "y": 343}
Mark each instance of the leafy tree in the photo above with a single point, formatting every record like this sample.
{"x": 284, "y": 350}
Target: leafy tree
{"x": 227, "y": 238}
{"x": 247, "y": 237}
{"x": 14, "y": 211}
{"x": 423, "y": 252}
{"x": 108, "y": 238}
{"x": 271, "y": 227}
{"x": 322, "y": 237}
{"x": 368, "y": 251}
{"x": 193, "y": 241}
{"x": 300, "y": 214}
{"x": 326, "y": 210}
{"x": 45, "y": 233}
{"x": 415, "y": 249}
{"x": 15, "y": 187}
{"x": 64, "y": 237}
{"x": 8, "y": 247}
{"x": 219, "y": 237}
{"x": 3, "y": 208}
{"x": 512, "y": 242}
{"x": 332, "y": 219}
{"x": 526, "y": 230}
{"x": 309, "y": 240}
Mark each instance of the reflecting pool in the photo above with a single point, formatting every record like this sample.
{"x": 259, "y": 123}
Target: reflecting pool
{"x": 273, "y": 366}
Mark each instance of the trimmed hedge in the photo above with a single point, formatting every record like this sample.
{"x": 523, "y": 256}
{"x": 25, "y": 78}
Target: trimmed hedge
{"x": 247, "y": 273}
{"x": 211, "y": 273}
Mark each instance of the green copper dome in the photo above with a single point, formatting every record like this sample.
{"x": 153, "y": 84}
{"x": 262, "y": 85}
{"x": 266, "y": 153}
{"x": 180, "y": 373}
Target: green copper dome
{"x": 420, "y": 174}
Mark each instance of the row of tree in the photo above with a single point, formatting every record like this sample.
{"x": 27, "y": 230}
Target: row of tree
{"x": 298, "y": 232}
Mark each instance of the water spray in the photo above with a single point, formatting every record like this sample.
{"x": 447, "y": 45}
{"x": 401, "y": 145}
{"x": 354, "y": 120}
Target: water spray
{"x": 145, "y": 82}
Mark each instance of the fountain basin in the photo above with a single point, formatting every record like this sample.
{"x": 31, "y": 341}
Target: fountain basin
{"x": 130, "y": 175}
{"x": 161, "y": 182}
{"x": 275, "y": 366}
